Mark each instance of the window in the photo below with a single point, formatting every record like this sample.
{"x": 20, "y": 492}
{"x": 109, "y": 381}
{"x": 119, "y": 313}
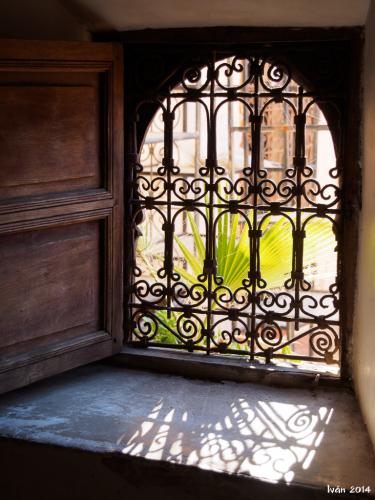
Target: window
{"x": 237, "y": 199}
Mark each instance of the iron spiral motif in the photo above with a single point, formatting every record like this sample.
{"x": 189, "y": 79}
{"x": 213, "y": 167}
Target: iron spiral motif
{"x": 209, "y": 313}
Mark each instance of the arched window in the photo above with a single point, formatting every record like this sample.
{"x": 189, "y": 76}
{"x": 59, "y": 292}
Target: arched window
{"x": 236, "y": 210}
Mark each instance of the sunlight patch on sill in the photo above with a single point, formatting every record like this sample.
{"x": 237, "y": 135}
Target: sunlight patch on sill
{"x": 264, "y": 439}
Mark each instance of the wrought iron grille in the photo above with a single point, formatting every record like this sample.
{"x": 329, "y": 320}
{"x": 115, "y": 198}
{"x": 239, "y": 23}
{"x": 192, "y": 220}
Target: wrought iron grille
{"x": 231, "y": 259}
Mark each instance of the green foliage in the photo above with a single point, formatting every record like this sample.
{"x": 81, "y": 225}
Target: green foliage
{"x": 165, "y": 325}
{"x": 233, "y": 251}
{"x": 233, "y": 255}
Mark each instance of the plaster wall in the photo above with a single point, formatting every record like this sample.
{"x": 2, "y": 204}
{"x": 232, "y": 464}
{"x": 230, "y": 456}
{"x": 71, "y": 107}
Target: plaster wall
{"x": 364, "y": 335}
{"x": 39, "y": 20}
{"x": 132, "y": 15}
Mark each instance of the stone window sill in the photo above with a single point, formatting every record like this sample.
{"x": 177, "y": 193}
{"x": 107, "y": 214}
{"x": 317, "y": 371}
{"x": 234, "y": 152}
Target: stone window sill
{"x": 216, "y": 368}
{"x": 115, "y": 432}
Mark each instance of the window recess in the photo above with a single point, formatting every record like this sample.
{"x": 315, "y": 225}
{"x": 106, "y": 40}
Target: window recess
{"x": 238, "y": 181}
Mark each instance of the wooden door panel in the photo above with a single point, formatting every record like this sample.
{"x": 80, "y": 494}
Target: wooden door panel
{"x": 51, "y": 282}
{"x": 61, "y": 176}
{"x": 49, "y": 139}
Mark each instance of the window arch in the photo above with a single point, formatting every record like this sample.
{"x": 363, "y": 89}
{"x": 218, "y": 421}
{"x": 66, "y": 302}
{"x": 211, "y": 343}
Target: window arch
{"x": 236, "y": 209}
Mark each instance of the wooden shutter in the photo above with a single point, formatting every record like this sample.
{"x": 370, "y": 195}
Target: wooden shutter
{"x": 61, "y": 177}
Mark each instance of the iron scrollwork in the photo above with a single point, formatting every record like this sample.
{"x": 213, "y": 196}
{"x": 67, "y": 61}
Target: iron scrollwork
{"x": 252, "y": 318}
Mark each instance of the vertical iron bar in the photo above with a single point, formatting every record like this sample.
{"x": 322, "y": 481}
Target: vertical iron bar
{"x": 298, "y": 242}
{"x": 211, "y": 163}
{"x": 255, "y": 162}
{"x": 168, "y": 230}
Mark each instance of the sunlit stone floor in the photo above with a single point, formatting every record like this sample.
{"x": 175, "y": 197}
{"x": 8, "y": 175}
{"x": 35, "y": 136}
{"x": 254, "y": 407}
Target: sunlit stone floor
{"x": 278, "y": 435}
